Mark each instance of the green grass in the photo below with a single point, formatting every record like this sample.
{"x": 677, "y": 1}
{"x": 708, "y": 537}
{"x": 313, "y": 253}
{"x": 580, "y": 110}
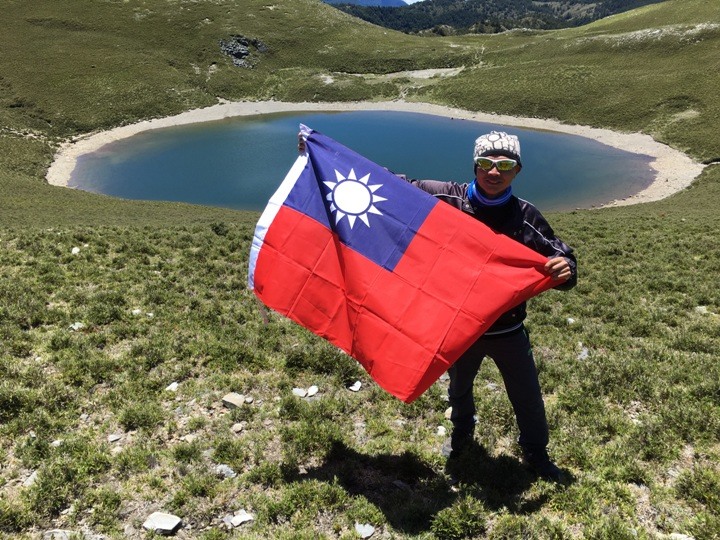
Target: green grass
{"x": 160, "y": 291}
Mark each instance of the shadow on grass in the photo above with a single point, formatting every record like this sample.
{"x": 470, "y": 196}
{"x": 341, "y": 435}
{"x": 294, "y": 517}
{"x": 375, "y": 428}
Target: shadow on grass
{"x": 410, "y": 493}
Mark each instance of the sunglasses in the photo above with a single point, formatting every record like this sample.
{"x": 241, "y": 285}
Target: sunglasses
{"x": 503, "y": 165}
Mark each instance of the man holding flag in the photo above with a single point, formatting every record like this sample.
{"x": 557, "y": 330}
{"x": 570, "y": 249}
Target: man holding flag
{"x": 489, "y": 199}
{"x": 407, "y": 285}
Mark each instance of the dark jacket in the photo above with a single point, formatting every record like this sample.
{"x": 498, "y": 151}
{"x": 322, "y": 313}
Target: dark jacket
{"x": 517, "y": 219}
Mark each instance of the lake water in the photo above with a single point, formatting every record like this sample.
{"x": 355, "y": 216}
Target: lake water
{"x": 239, "y": 163}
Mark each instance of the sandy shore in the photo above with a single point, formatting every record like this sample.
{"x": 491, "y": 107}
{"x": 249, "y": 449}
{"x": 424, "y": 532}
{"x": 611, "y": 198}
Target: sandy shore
{"x": 674, "y": 170}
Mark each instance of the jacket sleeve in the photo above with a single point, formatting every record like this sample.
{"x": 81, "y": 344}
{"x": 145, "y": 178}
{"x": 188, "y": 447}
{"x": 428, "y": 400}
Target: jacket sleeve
{"x": 543, "y": 240}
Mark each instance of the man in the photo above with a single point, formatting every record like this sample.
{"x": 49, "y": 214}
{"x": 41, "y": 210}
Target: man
{"x": 489, "y": 199}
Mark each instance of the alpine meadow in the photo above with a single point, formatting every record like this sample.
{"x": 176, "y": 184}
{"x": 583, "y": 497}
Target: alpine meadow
{"x": 138, "y": 373}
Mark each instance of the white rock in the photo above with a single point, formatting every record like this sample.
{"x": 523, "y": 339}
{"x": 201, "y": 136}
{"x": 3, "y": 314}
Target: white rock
{"x": 702, "y": 310}
{"x": 300, "y": 392}
{"x": 240, "y": 517}
{"x": 249, "y": 399}
{"x": 31, "y": 479}
{"x": 583, "y": 354}
{"x": 59, "y": 534}
{"x": 75, "y": 250}
{"x": 237, "y": 428}
{"x": 448, "y": 413}
{"x": 56, "y": 443}
{"x": 355, "y": 387}
{"x": 365, "y": 530}
{"x": 162, "y": 523}
{"x": 312, "y": 391}
{"x": 441, "y": 431}
{"x": 114, "y": 437}
{"x": 150, "y": 315}
{"x": 172, "y": 387}
{"x": 225, "y": 471}
{"x": 77, "y": 326}
{"x": 233, "y": 400}
{"x": 680, "y": 536}
{"x": 136, "y": 311}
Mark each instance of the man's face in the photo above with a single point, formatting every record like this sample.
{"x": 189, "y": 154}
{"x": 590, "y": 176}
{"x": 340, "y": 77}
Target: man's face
{"x": 494, "y": 182}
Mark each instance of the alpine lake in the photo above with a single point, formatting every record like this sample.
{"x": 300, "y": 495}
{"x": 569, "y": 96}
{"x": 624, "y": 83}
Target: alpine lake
{"x": 239, "y": 162}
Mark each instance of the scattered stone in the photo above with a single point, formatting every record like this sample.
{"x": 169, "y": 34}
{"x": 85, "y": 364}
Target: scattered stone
{"x": 238, "y": 48}
{"x": 249, "y": 399}
{"x": 365, "y": 530}
{"x": 492, "y": 387}
{"x": 59, "y": 534}
{"x": 56, "y": 443}
{"x": 162, "y": 523}
{"x": 448, "y": 412}
{"x": 584, "y": 352}
{"x": 237, "y": 428}
{"x": 299, "y": 392}
{"x": 355, "y": 387}
{"x": 233, "y": 400}
{"x": 31, "y": 479}
{"x": 680, "y": 536}
{"x": 312, "y": 391}
{"x": 240, "y": 517}
{"x": 702, "y": 310}
{"x": 136, "y": 312}
{"x": 77, "y": 326}
{"x": 225, "y": 471}
{"x": 75, "y": 250}
{"x": 114, "y": 437}
{"x": 441, "y": 431}
{"x": 445, "y": 376}
{"x": 150, "y": 315}
{"x": 570, "y": 320}
{"x": 189, "y": 438}
{"x": 172, "y": 387}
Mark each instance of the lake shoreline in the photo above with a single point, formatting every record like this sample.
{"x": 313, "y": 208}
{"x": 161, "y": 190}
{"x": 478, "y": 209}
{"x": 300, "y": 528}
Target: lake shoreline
{"x": 674, "y": 170}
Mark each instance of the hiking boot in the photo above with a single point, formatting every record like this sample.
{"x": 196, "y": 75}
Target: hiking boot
{"x": 456, "y": 443}
{"x": 541, "y": 464}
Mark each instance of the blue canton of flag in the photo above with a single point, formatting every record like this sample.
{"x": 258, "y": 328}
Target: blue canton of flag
{"x": 372, "y": 210}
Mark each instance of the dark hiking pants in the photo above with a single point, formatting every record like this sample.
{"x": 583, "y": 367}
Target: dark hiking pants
{"x": 513, "y": 356}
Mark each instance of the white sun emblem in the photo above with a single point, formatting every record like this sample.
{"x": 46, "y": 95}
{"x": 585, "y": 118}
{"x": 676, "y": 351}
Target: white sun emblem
{"x": 353, "y": 197}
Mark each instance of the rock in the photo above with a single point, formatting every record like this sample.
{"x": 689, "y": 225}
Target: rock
{"x": 441, "y": 431}
{"x": 114, "y": 437}
{"x": 75, "y": 250}
{"x": 448, "y": 413}
{"x": 172, "y": 387}
{"x": 570, "y": 320}
{"x": 312, "y": 391}
{"x": 238, "y": 48}
{"x": 77, "y": 326}
{"x": 162, "y": 523}
{"x": 240, "y": 517}
{"x": 233, "y": 400}
{"x": 237, "y": 428}
{"x": 59, "y": 534}
{"x": 702, "y": 310}
{"x": 355, "y": 387}
{"x": 136, "y": 312}
{"x": 365, "y": 530}
{"x": 299, "y": 392}
{"x": 225, "y": 471}
{"x": 31, "y": 479}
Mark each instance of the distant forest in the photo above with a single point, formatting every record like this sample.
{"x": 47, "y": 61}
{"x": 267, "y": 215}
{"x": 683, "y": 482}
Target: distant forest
{"x": 447, "y": 17}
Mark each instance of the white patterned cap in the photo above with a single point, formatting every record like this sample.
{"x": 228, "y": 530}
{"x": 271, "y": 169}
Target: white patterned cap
{"x": 497, "y": 143}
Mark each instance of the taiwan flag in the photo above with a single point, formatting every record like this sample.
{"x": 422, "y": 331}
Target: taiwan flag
{"x": 398, "y": 280}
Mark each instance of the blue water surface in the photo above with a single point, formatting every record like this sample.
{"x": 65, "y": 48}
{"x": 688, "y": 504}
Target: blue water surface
{"x": 238, "y": 163}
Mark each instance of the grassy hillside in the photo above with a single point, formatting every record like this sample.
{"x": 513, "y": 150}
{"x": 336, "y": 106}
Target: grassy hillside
{"x": 91, "y": 438}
